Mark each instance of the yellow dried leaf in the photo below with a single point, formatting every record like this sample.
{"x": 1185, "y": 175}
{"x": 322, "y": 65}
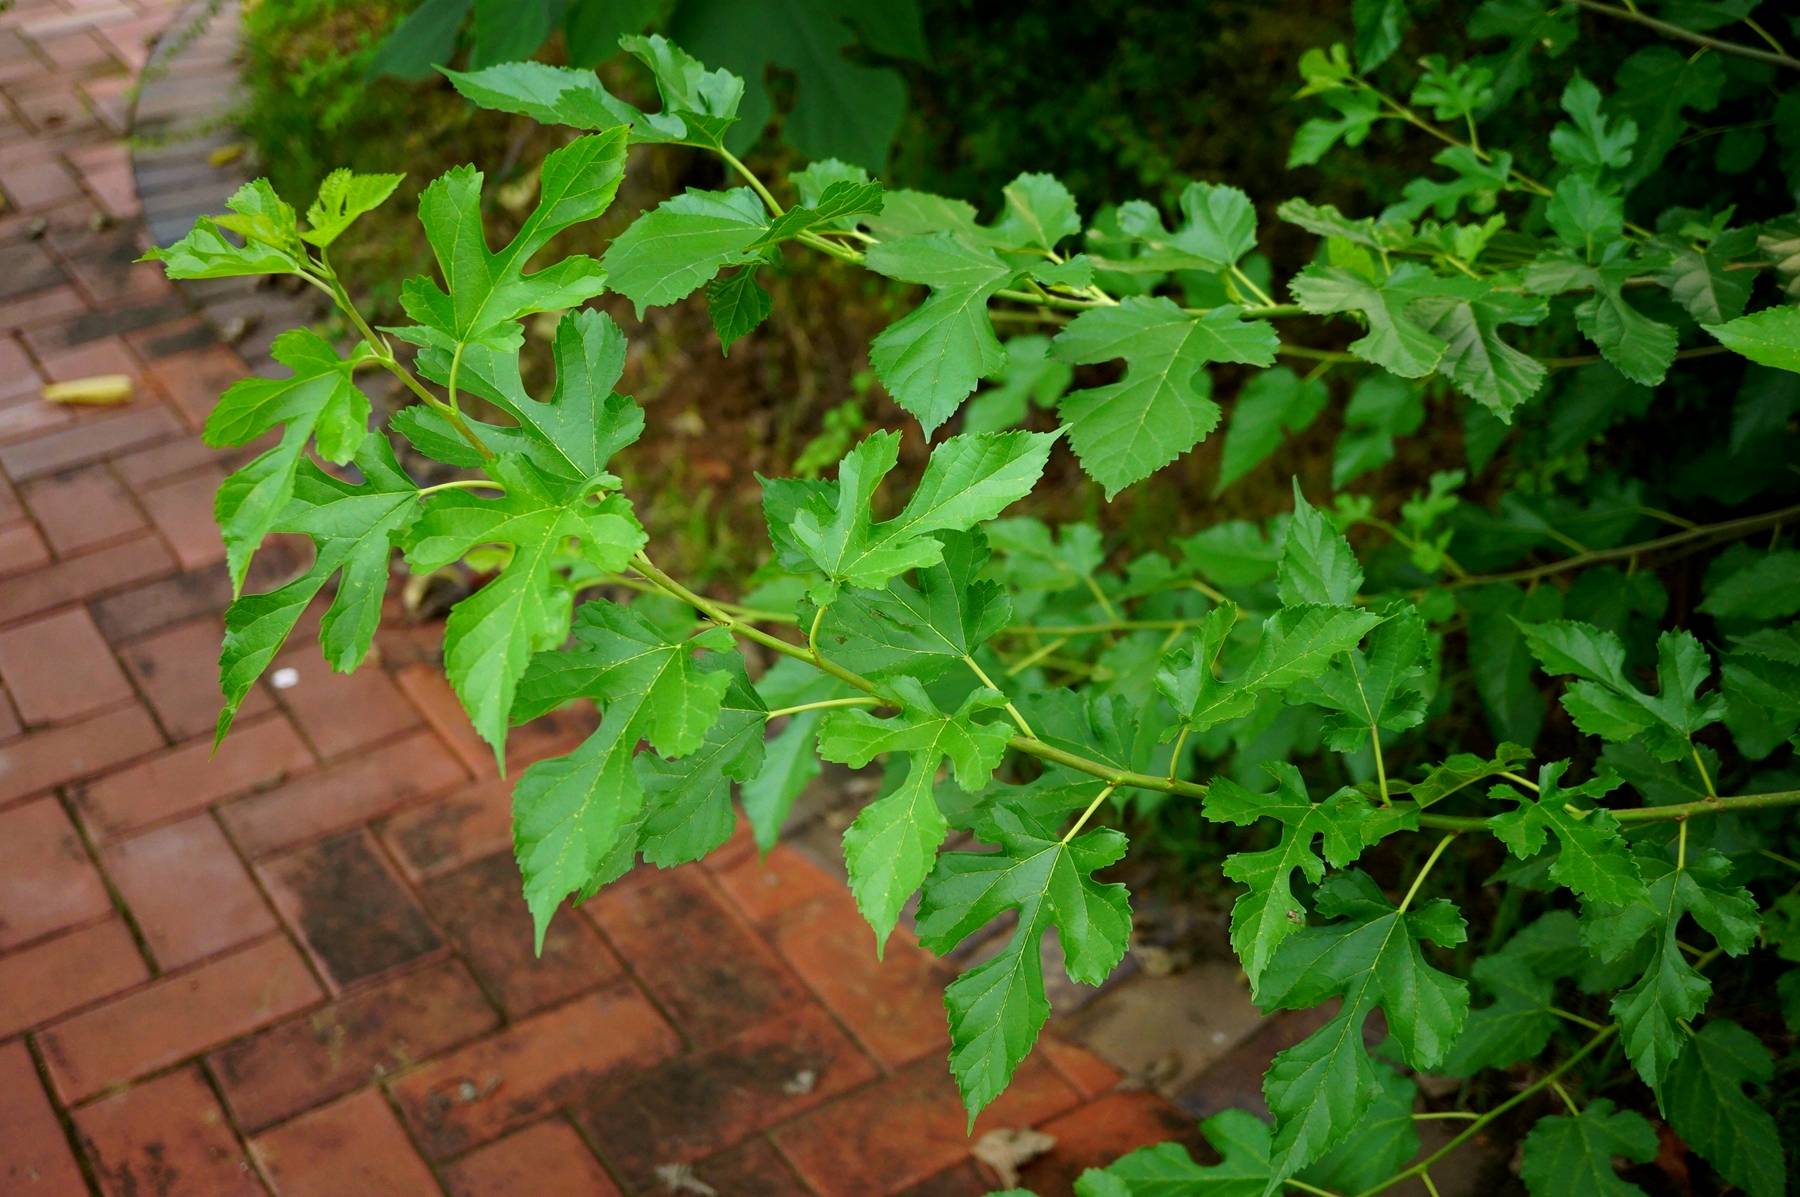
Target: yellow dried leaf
{"x": 99, "y": 390}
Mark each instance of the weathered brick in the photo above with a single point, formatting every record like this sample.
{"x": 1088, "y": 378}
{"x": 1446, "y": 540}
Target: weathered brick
{"x": 475, "y": 821}
{"x": 549, "y": 1060}
{"x": 703, "y": 1102}
{"x": 430, "y": 692}
{"x": 191, "y": 777}
{"x": 182, "y": 510}
{"x": 178, "y": 671}
{"x": 21, "y": 549}
{"x": 355, "y": 790}
{"x": 73, "y": 751}
{"x": 908, "y": 1127}
{"x": 57, "y": 975}
{"x": 358, "y": 1039}
{"x": 187, "y": 891}
{"x": 59, "y": 667}
{"x": 548, "y": 1157}
{"x": 339, "y": 712}
{"x": 354, "y": 916}
{"x": 894, "y": 1006}
{"x": 79, "y": 578}
{"x": 35, "y": 1160}
{"x": 480, "y": 906}
{"x": 765, "y": 888}
{"x": 351, "y": 1146}
{"x": 195, "y": 380}
{"x": 165, "y": 1135}
{"x": 85, "y": 441}
{"x": 180, "y": 597}
{"x": 47, "y": 882}
{"x": 1100, "y": 1132}
{"x": 175, "y": 1017}
{"x": 735, "y": 984}
{"x": 752, "y": 1169}
{"x": 82, "y": 508}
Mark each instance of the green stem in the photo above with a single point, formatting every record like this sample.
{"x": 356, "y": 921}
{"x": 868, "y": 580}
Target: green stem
{"x": 1705, "y": 777}
{"x": 1474, "y": 1127}
{"x": 1087, "y": 814}
{"x": 987, "y": 681}
{"x": 1688, "y": 35}
{"x": 1424, "y": 869}
{"x": 749, "y": 177}
{"x": 461, "y": 484}
{"x": 857, "y": 700}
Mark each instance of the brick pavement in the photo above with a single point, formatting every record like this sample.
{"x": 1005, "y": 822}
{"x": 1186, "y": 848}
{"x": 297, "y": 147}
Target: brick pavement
{"x": 302, "y": 966}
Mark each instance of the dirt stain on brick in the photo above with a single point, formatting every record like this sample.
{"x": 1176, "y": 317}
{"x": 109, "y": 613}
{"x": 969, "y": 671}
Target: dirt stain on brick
{"x": 352, "y": 912}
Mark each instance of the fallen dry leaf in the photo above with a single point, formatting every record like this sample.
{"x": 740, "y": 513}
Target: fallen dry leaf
{"x": 99, "y": 390}
{"x": 1010, "y": 1148}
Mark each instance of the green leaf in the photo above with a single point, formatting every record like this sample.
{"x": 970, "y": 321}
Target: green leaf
{"x": 1605, "y": 703}
{"x": 1521, "y": 978}
{"x": 1701, "y": 281}
{"x": 488, "y": 292}
{"x": 1040, "y": 213}
{"x": 1459, "y": 772}
{"x": 570, "y": 812}
{"x": 1273, "y": 403}
{"x": 1317, "y": 565}
{"x": 1321, "y": 1088}
{"x": 737, "y": 304}
{"x": 893, "y": 843}
{"x": 1381, "y": 1142}
{"x": 318, "y": 401}
{"x": 1594, "y": 142}
{"x": 1218, "y": 228}
{"x": 1397, "y": 341}
{"x": 789, "y": 759}
{"x": 687, "y": 801}
{"x": 1770, "y": 337}
{"x": 969, "y": 479}
{"x": 491, "y": 634}
{"x": 1029, "y": 378}
{"x": 1374, "y": 690}
{"x": 1240, "y": 1139}
{"x": 1297, "y": 643}
{"x": 837, "y": 208}
{"x": 1638, "y": 347}
{"x": 920, "y": 629}
{"x": 426, "y": 37}
{"x": 1572, "y": 1155}
{"x": 1653, "y": 88}
{"x": 1126, "y": 431}
{"x": 1708, "y": 1108}
{"x": 342, "y": 198}
{"x": 1268, "y": 912}
{"x": 268, "y": 229}
{"x": 1586, "y": 214}
{"x": 353, "y": 528}
{"x": 998, "y": 1007}
{"x": 931, "y": 359}
{"x": 1594, "y": 860}
{"x": 1380, "y": 26}
{"x": 1670, "y": 990}
{"x": 669, "y": 253}
{"x": 1357, "y": 113}
{"x": 584, "y": 423}
{"x": 1476, "y": 361}
{"x": 1452, "y": 92}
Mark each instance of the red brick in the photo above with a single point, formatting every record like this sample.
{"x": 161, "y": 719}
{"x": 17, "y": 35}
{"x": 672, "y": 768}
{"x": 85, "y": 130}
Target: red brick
{"x": 17, "y": 373}
{"x": 196, "y": 379}
{"x": 83, "y": 577}
{"x": 189, "y": 778}
{"x": 183, "y": 512}
{"x": 893, "y": 1006}
{"x": 735, "y": 984}
{"x": 47, "y": 881}
{"x": 74, "y": 751}
{"x": 10, "y": 723}
{"x": 39, "y": 185}
{"x": 341, "y": 711}
{"x": 59, "y": 975}
{"x": 354, "y": 1041}
{"x": 58, "y": 668}
{"x": 766, "y": 887}
{"x": 431, "y": 693}
{"x": 175, "y": 1017}
{"x": 549, "y": 1060}
{"x": 546, "y": 1158}
{"x": 967, "y": 1179}
{"x": 104, "y": 355}
{"x": 908, "y": 1127}
{"x": 1079, "y": 1066}
{"x": 165, "y": 1135}
{"x": 178, "y": 671}
{"x": 752, "y": 1169}
{"x": 160, "y": 462}
{"x": 354, "y": 916}
{"x": 35, "y": 1160}
{"x": 357, "y": 789}
{"x": 352, "y": 1146}
{"x": 481, "y": 907}
{"x": 697, "y": 1104}
{"x": 469, "y": 824}
{"x": 85, "y": 441}
{"x": 21, "y": 549}
{"x": 24, "y": 414}
{"x": 187, "y": 891}
{"x": 83, "y": 508}
{"x": 1100, "y": 1132}
{"x": 156, "y": 605}
{"x": 44, "y": 306}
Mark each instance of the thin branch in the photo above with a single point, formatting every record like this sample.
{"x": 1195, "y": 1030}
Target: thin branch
{"x": 1667, "y": 29}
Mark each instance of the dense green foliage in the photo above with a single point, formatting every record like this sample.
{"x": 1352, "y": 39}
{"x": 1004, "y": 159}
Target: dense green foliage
{"x": 1364, "y": 713}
